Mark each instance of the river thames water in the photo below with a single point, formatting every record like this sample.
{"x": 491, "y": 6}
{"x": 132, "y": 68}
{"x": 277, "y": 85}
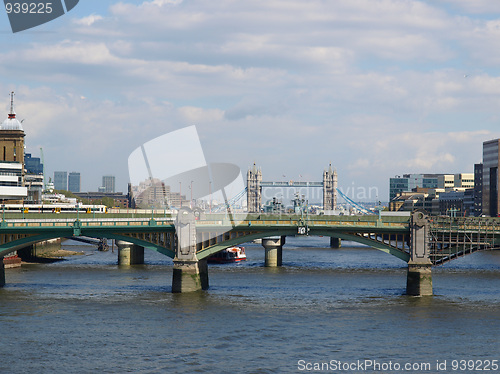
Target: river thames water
{"x": 325, "y": 310}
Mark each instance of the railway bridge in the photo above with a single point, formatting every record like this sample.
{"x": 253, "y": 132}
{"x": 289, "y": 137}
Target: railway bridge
{"x": 420, "y": 240}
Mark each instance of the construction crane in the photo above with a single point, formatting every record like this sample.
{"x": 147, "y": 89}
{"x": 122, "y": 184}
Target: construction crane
{"x": 43, "y": 163}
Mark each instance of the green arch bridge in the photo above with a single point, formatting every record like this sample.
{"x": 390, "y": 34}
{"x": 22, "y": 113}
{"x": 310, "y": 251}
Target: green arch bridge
{"x": 420, "y": 240}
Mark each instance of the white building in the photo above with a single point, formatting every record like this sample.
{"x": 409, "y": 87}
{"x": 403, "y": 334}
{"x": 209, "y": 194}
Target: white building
{"x": 11, "y": 181}
{"x": 12, "y": 158}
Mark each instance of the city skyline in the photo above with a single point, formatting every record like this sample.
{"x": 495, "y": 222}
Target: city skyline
{"x": 377, "y": 88}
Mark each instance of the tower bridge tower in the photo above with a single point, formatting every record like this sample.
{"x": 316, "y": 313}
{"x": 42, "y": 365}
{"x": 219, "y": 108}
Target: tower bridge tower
{"x": 329, "y": 189}
{"x": 254, "y": 190}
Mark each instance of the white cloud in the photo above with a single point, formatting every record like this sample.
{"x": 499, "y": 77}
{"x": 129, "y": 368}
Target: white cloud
{"x": 89, "y": 20}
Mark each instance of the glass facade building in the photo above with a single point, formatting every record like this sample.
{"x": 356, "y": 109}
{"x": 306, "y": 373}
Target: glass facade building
{"x": 74, "y": 182}
{"x": 108, "y": 182}
{"x": 410, "y": 181}
{"x": 32, "y": 165}
{"x": 478, "y": 190}
{"x": 490, "y": 177}
{"x": 61, "y": 180}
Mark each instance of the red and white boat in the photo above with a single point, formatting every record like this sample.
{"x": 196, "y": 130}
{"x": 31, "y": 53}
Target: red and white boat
{"x": 231, "y": 254}
{"x": 12, "y": 260}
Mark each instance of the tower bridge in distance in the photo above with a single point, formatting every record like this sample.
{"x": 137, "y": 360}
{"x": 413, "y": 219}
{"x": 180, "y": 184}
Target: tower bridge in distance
{"x": 255, "y": 185}
{"x": 420, "y": 240}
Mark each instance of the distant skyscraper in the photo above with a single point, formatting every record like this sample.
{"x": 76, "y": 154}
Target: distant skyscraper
{"x": 491, "y": 177}
{"x": 478, "y": 189}
{"x": 61, "y": 180}
{"x": 74, "y": 182}
{"x": 108, "y": 182}
{"x": 32, "y": 164}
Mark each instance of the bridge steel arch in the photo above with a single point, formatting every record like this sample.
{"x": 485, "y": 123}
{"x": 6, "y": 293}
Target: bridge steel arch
{"x": 252, "y": 235}
{"x": 14, "y": 238}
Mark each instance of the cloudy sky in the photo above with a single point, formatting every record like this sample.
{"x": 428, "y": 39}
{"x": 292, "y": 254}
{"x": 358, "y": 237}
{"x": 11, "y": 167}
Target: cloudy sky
{"x": 376, "y": 87}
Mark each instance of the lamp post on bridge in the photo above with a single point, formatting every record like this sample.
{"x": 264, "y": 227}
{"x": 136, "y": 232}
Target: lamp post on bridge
{"x": 191, "y": 200}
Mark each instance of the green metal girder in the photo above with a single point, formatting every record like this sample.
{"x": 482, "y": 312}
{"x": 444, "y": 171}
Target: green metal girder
{"x": 53, "y": 232}
{"x": 206, "y": 252}
{"x": 142, "y": 243}
{"x": 118, "y": 232}
{"x": 14, "y": 245}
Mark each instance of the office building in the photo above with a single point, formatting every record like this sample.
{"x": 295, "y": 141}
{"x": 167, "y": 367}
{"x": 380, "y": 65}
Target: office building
{"x": 61, "y": 180}
{"x": 409, "y": 182}
{"x": 478, "y": 190}
{"x": 33, "y": 180}
{"x": 491, "y": 157}
{"x": 108, "y": 182}
{"x": 74, "y": 182}
{"x": 33, "y": 165}
{"x": 119, "y": 199}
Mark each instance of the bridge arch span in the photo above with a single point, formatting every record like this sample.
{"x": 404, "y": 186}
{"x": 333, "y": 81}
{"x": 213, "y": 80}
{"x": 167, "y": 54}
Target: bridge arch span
{"x": 206, "y": 252}
{"x": 20, "y": 243}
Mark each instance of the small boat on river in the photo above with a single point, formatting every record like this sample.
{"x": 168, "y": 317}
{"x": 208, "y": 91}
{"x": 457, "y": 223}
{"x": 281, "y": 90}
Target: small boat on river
{"x": 228, "y": 255}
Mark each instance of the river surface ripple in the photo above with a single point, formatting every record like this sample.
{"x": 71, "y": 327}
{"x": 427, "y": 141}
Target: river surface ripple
{"x": 324, "y": 307}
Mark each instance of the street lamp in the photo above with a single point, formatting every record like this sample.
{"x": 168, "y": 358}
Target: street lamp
{"x": 210, "y": 191}
{"x": 191, "y": 201}
{"x": 180, "y": 193}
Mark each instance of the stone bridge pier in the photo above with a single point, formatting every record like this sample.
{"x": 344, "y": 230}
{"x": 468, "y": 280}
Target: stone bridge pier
{"x": 419, "y": 276}
{"x": 129, "y": 253}
{"x": 274, "y": 250}
{"x": 189, "y": 274}
{"x": 335, "y": 243}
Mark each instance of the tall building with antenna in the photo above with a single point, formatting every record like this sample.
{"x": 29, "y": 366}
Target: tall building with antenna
{"x": 12, "y": 135}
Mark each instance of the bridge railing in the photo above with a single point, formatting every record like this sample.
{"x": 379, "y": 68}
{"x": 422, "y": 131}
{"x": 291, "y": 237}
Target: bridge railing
{"x": 212, "y": 220}
{"x": 86, "y": 222}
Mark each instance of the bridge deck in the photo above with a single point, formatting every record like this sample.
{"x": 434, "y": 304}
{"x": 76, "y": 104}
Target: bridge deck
{"x": 449, "y": 238}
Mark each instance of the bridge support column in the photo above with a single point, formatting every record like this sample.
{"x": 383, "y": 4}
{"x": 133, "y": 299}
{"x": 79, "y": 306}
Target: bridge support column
{"x": 419, "y": 276}
{"x": 274, "y": 251}
{"x": 2, "y": 273}
{"x": 189, "y": 274}
{"x": 203, "y": 266}
{"x": 335, "y": 243}
{"x": 419, "y": 279}
{"x": 129, "y": 253}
